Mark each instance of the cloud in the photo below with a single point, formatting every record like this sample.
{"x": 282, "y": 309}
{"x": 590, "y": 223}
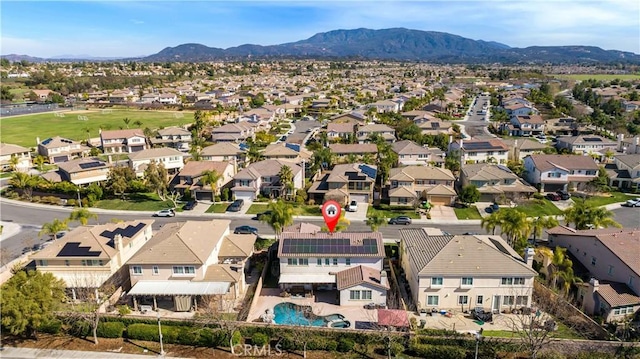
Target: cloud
{"x": 137, "y": 22}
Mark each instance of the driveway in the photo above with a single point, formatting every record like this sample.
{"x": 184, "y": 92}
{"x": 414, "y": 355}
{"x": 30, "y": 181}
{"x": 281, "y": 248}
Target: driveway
{"x": 445, "y": 213}
{"x": 359, "y": 215}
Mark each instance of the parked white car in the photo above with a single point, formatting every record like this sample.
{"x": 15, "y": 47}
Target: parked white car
{"x": 352, "y": 207}
{"x": 632, "y": 203}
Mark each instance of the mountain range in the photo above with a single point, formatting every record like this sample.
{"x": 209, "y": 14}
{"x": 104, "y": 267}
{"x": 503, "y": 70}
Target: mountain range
{"x": 394, "y": 44}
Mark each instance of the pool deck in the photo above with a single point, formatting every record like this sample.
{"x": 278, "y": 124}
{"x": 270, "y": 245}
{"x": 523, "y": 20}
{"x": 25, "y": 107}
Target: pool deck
{"x": 269, "y": 297}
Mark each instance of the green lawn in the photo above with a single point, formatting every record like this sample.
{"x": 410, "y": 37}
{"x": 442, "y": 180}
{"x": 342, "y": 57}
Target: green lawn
{"x": 136, "y": 202}
{"x": 563, "y": 332}
{"x": 298, "y": 209}
{"x": 390, "y": 211}
{"x": 257, "y": 208}
{"x": 602, "y": 77}
{"x": 539, "y": 207}
{"x": 218, "y": 208}
{"x": 467, "y": 213}
{"x": 23, "y": 130}
{"x": 614, "y": 197}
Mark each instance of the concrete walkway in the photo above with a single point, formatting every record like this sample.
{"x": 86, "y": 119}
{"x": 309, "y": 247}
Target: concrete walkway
{"x": 29, "y": 353}
{"x": 8, "y": 229}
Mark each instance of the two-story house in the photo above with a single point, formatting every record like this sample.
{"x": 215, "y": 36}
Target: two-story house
{"x": 460, "y": 273}
{"x": 433, "y": 126}
{"x": 479, "y": 151}
{"x": 224, "y": 151}
{"x": 526, "y": 125}
{"x": 233, "y": 132}
{"x": 629, "y": 146}
{"x": 123, "y": 141}
{"x": 514, "y": 108}
{"x": 83, "y": 170}
{"x": 58, "y": 149}
{"x": 90, "y": 256}
{"x": 343, "y": 151}
{"x": 345, "y": 183}
{"x": 386, "y": 106}
{"x": 21, "y": 154}
{"x": 168, "y": 99}
{"x": 586, "y": 144}
{"x": 190, "y": 178}
{"x": 287, "y": 152}
{"x": 170, "y": 158}
{"x": 624, "y": 172}
{"x": 411, "y": 183}
{"x": 347, "y": 263}
{"x": 522, "y": 147}
{"x": 611, "y": 257}
{"x": 343, "y": 130}
{"x": 185, "y": 261}
{"x": 495, "y": 182}
{"x": 364, "y": 133}
{"x": 174, "y": 137}
{"x": 410, "y": 153}
{"x": 559, "y": 172}
{"x": 261, "y": 178}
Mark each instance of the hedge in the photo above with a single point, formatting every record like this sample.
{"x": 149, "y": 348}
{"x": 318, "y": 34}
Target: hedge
{"x": 185, "y": 335}
{"x": 438, "y": 351}
{"x": 345, "y": 345}
{"x": 259, "y": 339}
{"x": 52, "y": 326}
{"x": 110, "y": 329}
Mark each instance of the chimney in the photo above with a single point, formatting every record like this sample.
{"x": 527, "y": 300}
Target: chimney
{"x": 450, "y": 139}
{"x": 461, "y": 143}
{"x": 529, "y": 253}
{"x": 594, "y": 284}
{"x": 636, "y": 141}
{"x": 37, "y": 140}
{"x": 620, "y": 138}
{"x": 117, "y": 242}
{"x": 383, "y": 278}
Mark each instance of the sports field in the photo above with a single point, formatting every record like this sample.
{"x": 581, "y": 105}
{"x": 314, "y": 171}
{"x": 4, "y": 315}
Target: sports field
{"x": 23, "y": 130}
{"x": 600, "y": 77}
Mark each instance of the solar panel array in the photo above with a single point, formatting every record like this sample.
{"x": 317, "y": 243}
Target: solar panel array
{"x": 88, "y": 165}
{"x": 47, "y": 141}
{"x": 500, "y": 247}
{"x": 73, "y": 249}
{"x": 243, "y": 147}
{"x": 128, "y": 231}
{"x": 477, "y": 145}
{"x": 592, "y": 139}
{"x": 341, "y": 246}
{"x": 370, "y": 172}
{"x": 292, "y": 146}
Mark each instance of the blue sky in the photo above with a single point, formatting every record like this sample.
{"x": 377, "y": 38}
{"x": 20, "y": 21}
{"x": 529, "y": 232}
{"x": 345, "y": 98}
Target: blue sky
{"x": 124, "y": 28}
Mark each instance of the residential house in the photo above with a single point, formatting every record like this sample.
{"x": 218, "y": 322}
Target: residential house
{"x": 58, "y": 149}
{"x": 342, "y": 130}
{"x": 346, "y": 182}
{"x": 410, "y": 153}
{"x": 168, "y": 99}
{"x": 190, "y": 177}
{"x": 479, "y": 151}
{"x": 514, "y": 109}
{"x": 460, "y": 273}
{"x": 123, "y": 141}
{"x": 342, "y": 151}
{"x": 191, "y": 259}
{"x": 555, "y": 172}
{"x": 287, "y": 152}
{"x": 611, "y": 257}
{"x": 233, "y": 132}
{"x": 224, "y": 151}
{"x": 150, "y": 98}
{"x": 522, "y": 147}
{"x": 349, "y": 263}
{"x": 526, "y": 125}
{"x": 495, "y": 182}
{"x": 90, "y": 256}
{"x": 630, "y": 106}
{"x": 586, "y": 144}
{"x": 412, "y": 183}
{"x": 353, "y": 117}
{"x": 386, "y": 106}
{"x": 624, "y": 172}
{"x": 629, "y": 146}
{"x": 21, "y": 154}
{"x": 82, "y": 171}
{"x": 433, "y": 126}
{"x": 170, "y": 158}
{"x": 173, "y": 137}
{"x": 365, "y": 132}
{"x": 261, "y": 178}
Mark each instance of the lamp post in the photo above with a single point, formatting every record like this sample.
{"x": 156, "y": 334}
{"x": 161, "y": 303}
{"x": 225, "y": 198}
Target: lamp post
{"x": 79, "y": 200}
{"x": 160, "y": 334}
{"x": 478, "y": 339}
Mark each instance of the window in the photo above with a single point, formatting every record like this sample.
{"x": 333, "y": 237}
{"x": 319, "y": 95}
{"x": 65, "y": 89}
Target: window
{"x": 43, "y": 263}
{"x": 366, "y": 294}
{"x": 155, "y": 270}
{"x": 507, "y": 300}
{"x": 436, "y": 281}
{"x": 347, "y": 261}
{"x": 593, "y": 261}
{"x": 610, "y": 272}
{"x": 463, "y": 299}
{"x": 137, "y": 270}
{"x": 303, "y": 261}
{"x": 479, "y": 300}
{"x": 326, "y": 261}
{"x": 178, "y": 270}
{"x": 319, "y": 262}
{"x": 66, "y": 262}
{"x": 518, "y": 281}
{"x": 616, "y": 311}
{"x": 507, "y": 281}
{"x": 186, "y": 270}
{"x": 522, "y": 300}
{"x": 292, "y": 261}
{"x": 432, "y": 300}
{"x": 467, "y": 281}
{"x": 354, "y": 294}
{"x": 335, "y": 261}
{"x": 630, "y": 282}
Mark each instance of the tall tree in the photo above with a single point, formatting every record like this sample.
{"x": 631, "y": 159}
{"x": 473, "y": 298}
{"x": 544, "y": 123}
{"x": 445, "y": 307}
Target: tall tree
{"x": 28, "y": 300}
{"x": 538, "y": 224}
{"x": 376, "y": 220}
{"x": 469, "y": 194}
{"x": 516, "y": 226}
{"x": 286, "y": 179}
{"x": 24, "y": 182}
{"x": 492, "y": 221}
{"x": 52, "y": 228}
{"x": 13, "y": 162}
{"x": 39, "y": 162}
{"x": 156, "y": 178}
{"x": 210, "y": 178}
{"x": 585, "y": 215}
{"x": 254, "y": 154}
{"x": 279, "y": 216}
{"x": 82, "y": 215}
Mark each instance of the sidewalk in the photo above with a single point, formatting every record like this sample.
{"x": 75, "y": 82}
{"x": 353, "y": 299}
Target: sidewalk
{"x": 29, "y": 353}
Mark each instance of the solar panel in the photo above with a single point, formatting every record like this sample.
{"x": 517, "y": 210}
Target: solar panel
{"x": 47, "y": 141}
{"x": 500, "y": 247}
{"x": 592, "y": 139}
{"x": 88, "y": 165}
{"x": 292, "y": 146}
{"x": 73, "y": 249}
{"x": 369, "y": 171}
{"x": 337, "y": 246}
{"x": 128, "y": 231}
{"x": 243, "y": 146}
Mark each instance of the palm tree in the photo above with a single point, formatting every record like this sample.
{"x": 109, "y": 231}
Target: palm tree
{"x": 559, "y": 263}
{"x": 211, "y": 178}
{"x": 491, "y": 222}
{"x": 126, "y": 121}
{"x": 376, "y": 220}
{"x": 585, "y": 215}
{"x": 24, "y": 182}
{"x": 286, "y": 179}
{"x": 137, "y": 123}
{"x": 82, "y": 215}
{"x": 53, "y": 228}
{"x": 515, "y": 226}
{"x": 279, "y": 216}
{"x": 39, "y": 161}
{"x": 540, "y": 223}
{"x": 13, "y": 162}
{"x": 254, "y": 154}
{"x": 568, "y": 279}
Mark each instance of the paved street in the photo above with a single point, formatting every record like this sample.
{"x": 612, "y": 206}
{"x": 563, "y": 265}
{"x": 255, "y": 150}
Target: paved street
{"x": 475, "y": 124}
{"x": 29, "y": 353}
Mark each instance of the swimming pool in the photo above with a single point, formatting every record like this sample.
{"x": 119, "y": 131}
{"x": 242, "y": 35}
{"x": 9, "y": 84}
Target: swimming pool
{"x": 293, "y": 314}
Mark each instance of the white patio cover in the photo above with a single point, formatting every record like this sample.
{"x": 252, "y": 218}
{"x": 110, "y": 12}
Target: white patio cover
{"x": 307, "y": 278}
{"x": 178, "y": 287}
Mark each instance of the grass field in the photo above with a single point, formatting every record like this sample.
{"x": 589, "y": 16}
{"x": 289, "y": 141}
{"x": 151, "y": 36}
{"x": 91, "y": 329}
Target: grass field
{"x": 218, "y": 208}
{"x": 615, "y": 197}
{"x": 136, "y": 202}
{"x": 602, "y": 77}
{"x": 23, "y": 130}
{"x": 467, "y": 213}
{"x": 539, "y": 207}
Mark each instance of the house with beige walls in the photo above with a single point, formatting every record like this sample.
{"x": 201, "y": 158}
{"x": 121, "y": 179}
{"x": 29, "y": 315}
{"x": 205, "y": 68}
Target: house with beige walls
{"x": 170, "y": 158}
{"x": 413, "y": 183}
{"x": 185, "y": 261}
{"x": 58, "y": 149}
{"x": 22, "y": 154}
{"x": 190, "y": 178}
{"x": 123, "y": 141}
{"x": 460, "y": 273}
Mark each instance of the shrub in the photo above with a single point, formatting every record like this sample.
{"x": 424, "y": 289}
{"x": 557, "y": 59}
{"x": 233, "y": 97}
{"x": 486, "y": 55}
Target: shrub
{"x": 538, "y": 196}
{"x": 146, "y": 332}
{"x": 396, "y": 349}
{"x": 259, "y": 339}
{"x": 110, "y": 329}
{"x": 438, "y": 351}
{"x": 345, "y": 345}
{"x": 124, "y": 310}
{"x": 79, "y": 328}
{"x": 72, "y": 202}
{"x": 51, "y": 326}
{"x": 331, "y": 346}
{"x": 236, "y": 338}
{"x": 36, "y": 199}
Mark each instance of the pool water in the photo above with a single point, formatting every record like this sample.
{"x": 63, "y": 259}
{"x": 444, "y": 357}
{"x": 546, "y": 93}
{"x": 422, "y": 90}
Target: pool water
{"x": 293, "y": 314}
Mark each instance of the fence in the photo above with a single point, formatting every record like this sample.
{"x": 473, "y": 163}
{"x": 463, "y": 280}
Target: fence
{"x": 27, "y": 109}
{"x": 256, "y": 294}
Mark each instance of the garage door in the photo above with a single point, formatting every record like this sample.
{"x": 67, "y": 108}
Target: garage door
{"x": 59, "y": 159}
{"x": 360, "y": 198}
{"x": 247, "y": 196}
{"x": 440, "y": 200}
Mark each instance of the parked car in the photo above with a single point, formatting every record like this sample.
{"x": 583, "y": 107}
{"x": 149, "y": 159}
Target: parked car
{"x": 190, "y": 205}
{"x": 632, "y": 203}
{"x": 245, "y": 230}
{"x": 236, "y": 206}
{"x": 400, "y": 220}
{"x": 352, "y": 207}
{"x": 564, "y": 195}
{"x": 260, "y": 216}
{"x": 553, "y": 197}
{"x": 165, "y": 213}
